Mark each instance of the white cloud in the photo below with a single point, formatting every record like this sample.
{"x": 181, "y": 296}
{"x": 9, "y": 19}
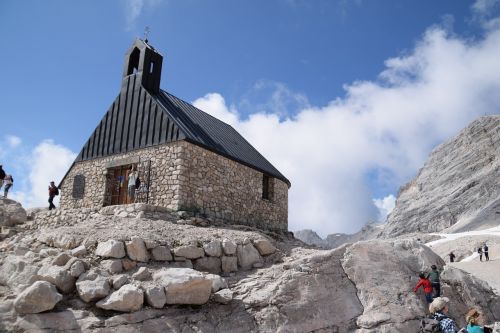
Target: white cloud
{"x": 484, "y": 7}
{"x": 47, "y": 162}
{"x": 13, "y": 141}
{"x": 134, "y": 8}
{"x": 390, "y": 124}
{"x": 385, "y": 206}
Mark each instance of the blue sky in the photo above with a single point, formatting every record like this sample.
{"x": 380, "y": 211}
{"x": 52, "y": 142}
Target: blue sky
{"x": 346, "y": 98}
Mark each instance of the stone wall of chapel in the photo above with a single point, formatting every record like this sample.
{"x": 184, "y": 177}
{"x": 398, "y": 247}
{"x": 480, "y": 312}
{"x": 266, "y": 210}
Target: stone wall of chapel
{"x": 224, "y": 189}
{"x": 165, "y": 172}
{"x": 187, "y": 177}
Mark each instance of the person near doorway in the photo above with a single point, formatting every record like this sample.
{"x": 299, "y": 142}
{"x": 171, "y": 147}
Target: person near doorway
{"x": 53, "y": 191}
{"x": 132, "y": 178}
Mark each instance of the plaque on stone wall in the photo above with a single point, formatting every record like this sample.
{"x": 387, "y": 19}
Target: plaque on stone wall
{"x": 78, "y": 186}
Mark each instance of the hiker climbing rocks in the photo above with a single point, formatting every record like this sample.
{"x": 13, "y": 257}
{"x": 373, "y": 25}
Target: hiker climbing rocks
{"x": 426, "y": 284}
{"x": 53, "y": 191}
{"x": 8, "y": 182}
{"x": 434, "y": 278}
{"x": 439, "y": 310}
{"x": 480, "y": 252}
{"x": 475, "y": 321}
{"x": 452, "y": 257}
{"x": 485, "y": 250}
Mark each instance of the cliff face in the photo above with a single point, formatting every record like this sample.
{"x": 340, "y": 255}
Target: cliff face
{"x": 458, "y": 188}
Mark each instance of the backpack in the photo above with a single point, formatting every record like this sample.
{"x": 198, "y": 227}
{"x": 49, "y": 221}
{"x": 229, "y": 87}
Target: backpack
{"x": 137, "y": 183}
{"x": 56, "y": 192}
{"x": 430, "y": 324}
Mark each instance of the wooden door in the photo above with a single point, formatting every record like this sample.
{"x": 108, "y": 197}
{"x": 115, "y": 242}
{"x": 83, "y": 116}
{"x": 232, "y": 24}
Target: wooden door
{"x": 117, "y": 187}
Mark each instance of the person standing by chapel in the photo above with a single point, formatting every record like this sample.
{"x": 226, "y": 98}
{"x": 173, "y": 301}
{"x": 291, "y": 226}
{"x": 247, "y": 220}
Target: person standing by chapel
{"x": 132, "y": 179}
{"x": 53, "y": 191}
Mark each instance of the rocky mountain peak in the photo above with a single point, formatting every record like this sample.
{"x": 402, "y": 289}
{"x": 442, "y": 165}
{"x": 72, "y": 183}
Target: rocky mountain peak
{"x": 458, "y": 188}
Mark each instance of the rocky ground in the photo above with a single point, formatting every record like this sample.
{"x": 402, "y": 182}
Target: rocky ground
{"x": 124, "y": 270}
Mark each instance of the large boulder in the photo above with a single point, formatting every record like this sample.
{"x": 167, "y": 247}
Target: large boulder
{"x": 40, "y": 296}
{"x": 229, "y": 264}
{"x": 183, "y": 285}
{"x": 110, "y": 249}
{"x": 17, "y": 272}
{"x": 264, "y": 247}
{"x": 248, "y": 256}
{"x": 155, "y": 296}
{"x": 136, "y": 249}
{"x": 161, "y": 253}
{"x": 213, "y": 248}
{"x": 11, "y": 213}
{"x": 128, "y": 298}
{"x": 92, "y": 287}
{"x": 228, "y": 246}
{"x": 58, "y": 276}
{"x": 208, "y": 264}
{"x": 189, "y": 252}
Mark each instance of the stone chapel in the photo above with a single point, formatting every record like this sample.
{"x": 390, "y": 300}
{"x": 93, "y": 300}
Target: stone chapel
{"x": 185, "y": 158}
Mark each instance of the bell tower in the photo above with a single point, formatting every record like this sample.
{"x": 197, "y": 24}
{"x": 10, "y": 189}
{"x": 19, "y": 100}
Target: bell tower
{"x": 145, "y": 62}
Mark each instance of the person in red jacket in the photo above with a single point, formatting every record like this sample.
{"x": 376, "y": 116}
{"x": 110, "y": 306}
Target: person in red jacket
{"x": 427, "y": 285}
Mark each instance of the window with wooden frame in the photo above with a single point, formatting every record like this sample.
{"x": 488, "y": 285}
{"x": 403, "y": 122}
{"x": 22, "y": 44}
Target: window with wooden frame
{"x": 267, "y": 187}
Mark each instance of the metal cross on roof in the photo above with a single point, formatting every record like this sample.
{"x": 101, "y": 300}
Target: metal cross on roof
{"x": 146, "y": 34}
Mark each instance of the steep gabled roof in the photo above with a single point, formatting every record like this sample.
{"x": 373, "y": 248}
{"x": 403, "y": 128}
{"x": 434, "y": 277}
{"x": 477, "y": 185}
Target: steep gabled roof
{"x": 138, "y": 119}
{"x": 209, "y": 132}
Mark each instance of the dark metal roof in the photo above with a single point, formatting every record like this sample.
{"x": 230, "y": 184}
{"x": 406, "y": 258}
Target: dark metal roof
{"x": 138, "y": 119}
{"x": 207, "y": 131}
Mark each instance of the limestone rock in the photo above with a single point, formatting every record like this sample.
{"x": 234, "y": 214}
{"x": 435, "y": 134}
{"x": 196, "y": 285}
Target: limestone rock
{"x": 61, "y": 259}
{"x": 128, "y": 264}
{"x": 457, "y": 188}
{"x": 136, "y": 250}
{"x": 189, "y": 252}
{"x": 119, "y": 281}
{"x": 155, "y": 297}
{"x": 229, "y": 264}
{"x": 92, "y": 290}
{"x": 110, "y": 249}
{"x": 77, "y": 268}
{"x": 59, "y": 276}
{"x": 223, "y": 296}
{"x": 184, "y": 285}
{"x": 208, "y": 264}
{"x": 40, "y": 296}
{"x": 11, "y": 213}
{"x": 218, "y": 282}
{"x": 264, "y": 247}
{"x": 79, "y": 251}
{"x": 112, "y": 265}
{"x": 16, "y": 271}
{"x": 229, "y": 247}
{"x": 213, "y": 249}
{"x": 248, "y": 256}
{"x": 161, "y": 253}
{"x": 128, "y": 298}
{"x": 142, "y": 274}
